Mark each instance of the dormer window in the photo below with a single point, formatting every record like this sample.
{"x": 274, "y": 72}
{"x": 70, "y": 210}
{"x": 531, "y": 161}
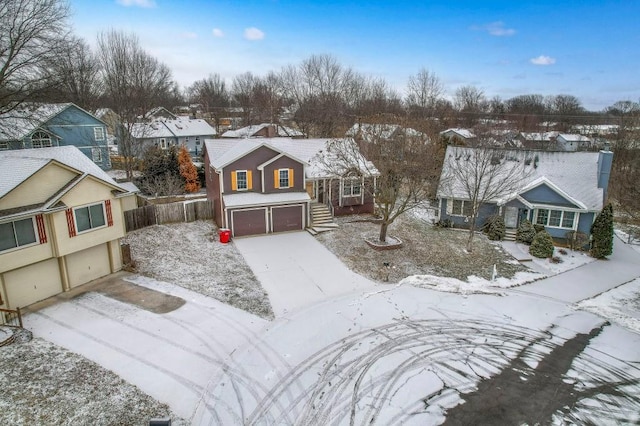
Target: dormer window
{"x": 40, "y": 140}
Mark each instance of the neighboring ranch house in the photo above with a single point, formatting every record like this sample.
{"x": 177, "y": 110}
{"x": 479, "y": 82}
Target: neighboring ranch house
{"x": 61, "y": 220}
{"x": 264, "y": 130}
{"x": 537, "y": 140}
{"x": 261, "y": 186}
{"x": 572, "y": 142}
{"x": 47, "y": 125}
{"x": 563, "y": 191}
{"x": 167, "y": 132}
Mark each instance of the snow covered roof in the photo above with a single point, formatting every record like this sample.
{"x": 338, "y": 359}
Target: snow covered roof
{"x": 570, "y": 137}
{"x": 259, "y": 199}
{"x": 16, "y": 166}
{"x": 369, "y": 131}
{"x": 463, "y": 133}
{"x": 539, "y": 136}
{"x": 19, "y": 123}
{"x": 250, "y": 131}
{"x": 172, "y": 127}
{"x": 314, "y": 152}
{"x": 574, "y": 174}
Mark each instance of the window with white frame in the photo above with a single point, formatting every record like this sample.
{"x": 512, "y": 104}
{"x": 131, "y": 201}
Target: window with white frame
{"x": 555, "y": 218}
{"x": 460, "y": 207}
{"x": 89, "y": 217}
{"x": 352, "y": 187}
{"x": 96, "y": 155}
{"x": 163, "y": 143}
{"x": 283, "y": 175}
{"x": 98, "y": 134}
{"x": 40, "y": 140}
{"x": 241, "y": 180}
{"x": 197, "y": 140}
{"x": 18, "y": 233}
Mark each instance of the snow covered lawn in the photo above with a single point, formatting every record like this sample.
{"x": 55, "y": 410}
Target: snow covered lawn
{"x": 191, "y": 256}
{"x": 43, "y": 383}
{"x": 620, "y": 305}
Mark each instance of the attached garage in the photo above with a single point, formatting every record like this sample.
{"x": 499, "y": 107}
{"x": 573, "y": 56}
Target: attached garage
{"x": 33, "y": 283}
{"x": 249, "y": 222}
{"x": 88, "y": 264}
{"x": 287, "y": 218}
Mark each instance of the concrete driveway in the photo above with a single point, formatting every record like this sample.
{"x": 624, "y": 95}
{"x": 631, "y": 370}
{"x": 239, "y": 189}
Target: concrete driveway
{"x": 297, "y": 271}
{"x": 170, "y": 356}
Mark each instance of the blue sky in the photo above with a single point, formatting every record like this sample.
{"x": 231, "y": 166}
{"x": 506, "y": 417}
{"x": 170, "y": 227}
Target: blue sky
{"x": 589, "y": 49}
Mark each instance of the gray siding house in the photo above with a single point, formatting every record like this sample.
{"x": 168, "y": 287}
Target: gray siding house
{"x": 563, "y": 191}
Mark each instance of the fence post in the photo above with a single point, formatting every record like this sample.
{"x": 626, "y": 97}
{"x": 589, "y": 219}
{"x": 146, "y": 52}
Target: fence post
{"x": 19, "y": 317}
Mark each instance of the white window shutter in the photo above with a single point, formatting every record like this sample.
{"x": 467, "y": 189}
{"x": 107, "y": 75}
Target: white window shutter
{"x": 449, "y": 205}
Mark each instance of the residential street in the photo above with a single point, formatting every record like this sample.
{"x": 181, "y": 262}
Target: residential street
{"x": 350, "y": 351}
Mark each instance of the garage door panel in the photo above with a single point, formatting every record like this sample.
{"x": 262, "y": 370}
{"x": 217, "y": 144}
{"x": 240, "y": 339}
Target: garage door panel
{"x": 287, "y": 218}
{"x": 88, "y": 264}
{"x": 33, "y": 283}
{"x": 248, "y": 222}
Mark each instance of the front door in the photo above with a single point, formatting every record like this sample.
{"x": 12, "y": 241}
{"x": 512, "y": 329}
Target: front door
{"x": 511, "y": 217}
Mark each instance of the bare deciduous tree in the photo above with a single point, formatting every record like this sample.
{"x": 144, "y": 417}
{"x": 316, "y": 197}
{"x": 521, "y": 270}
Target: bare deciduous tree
{"x": 481, "y": 175}
{"x": 76, "y": 75}
{"x": 405, "y": 164}
{"x": 134, "y": 82}
{"x": 423, "y": 92}
{"x": 32, "y": 34}
{"x": 211, "y": 93}
{"x": 470, "y": 102}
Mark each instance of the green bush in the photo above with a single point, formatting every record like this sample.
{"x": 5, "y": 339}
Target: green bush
{"x": 602, "y": 233}
{"x": 542, "y": 245}
{"x": 538, "y": 228}
{"x": 525, "y": 232}
{"x": 495, "y": 228}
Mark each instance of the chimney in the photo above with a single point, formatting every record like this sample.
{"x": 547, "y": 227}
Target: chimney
{"x": 605, "y": 160}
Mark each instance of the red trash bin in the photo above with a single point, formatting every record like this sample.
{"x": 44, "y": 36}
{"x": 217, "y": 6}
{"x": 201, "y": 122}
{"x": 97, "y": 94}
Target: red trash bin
{"x": 225, "y": 235}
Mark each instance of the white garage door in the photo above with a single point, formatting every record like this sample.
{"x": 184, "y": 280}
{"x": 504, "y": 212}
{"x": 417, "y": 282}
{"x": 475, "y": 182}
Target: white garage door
{"x": 32, "y": 283}
{"x": 88, "y": 264}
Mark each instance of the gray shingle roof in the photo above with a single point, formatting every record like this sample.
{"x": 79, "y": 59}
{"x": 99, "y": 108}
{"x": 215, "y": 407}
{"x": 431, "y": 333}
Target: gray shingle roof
{"x": 16, "y": 166}
{"x": 574, "y": 173}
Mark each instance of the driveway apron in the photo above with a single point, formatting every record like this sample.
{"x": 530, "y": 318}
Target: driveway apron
{"x": 297, "y": 271}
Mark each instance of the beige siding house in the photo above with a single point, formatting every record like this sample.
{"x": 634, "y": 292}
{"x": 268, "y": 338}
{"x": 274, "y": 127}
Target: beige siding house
{"x": 61, "y": 220}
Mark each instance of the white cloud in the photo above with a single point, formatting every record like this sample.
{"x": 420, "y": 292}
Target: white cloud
{"x": 253, "y": 34}
{"x": 495, "y": 29}
{"x": 217, "y": 32}
{"x": 138, "y": 3}
{"x": 189, "y": 35}
{"x": 543, "y": 60}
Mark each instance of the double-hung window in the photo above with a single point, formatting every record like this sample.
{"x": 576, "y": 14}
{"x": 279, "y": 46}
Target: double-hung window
{"x": 98, "y": 134}
{"x": 460, "y": 207}
{"x": 18, "y": 233}
{"x": 96, "y": 155}
{"x": 241, "y": 180}
{"x": 284, "y": 178}
{"x": 352, "y": 187}
{"x": 89, "y": 217}
{"x": 555, "y": 218}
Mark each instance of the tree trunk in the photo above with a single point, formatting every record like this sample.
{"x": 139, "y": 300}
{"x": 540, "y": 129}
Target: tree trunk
{"x": 472, "y": 231}
{"x": 383, "y": 231}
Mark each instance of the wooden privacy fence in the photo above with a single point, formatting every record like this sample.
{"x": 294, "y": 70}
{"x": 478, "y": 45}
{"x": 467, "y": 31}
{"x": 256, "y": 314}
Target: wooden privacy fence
{"x": 155, "y": 214}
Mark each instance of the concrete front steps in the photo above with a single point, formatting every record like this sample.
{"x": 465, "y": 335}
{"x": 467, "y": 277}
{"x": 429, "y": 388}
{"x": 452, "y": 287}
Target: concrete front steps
{"x": 510, "y": 234}
{"x": 321, "y": 219}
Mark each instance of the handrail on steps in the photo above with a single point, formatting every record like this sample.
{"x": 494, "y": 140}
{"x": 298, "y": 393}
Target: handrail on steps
{"x": 11, "y": 317}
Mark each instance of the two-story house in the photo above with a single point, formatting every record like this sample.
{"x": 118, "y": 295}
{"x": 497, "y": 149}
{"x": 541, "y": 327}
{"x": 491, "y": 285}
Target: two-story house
{"x": 47, "y": 125}
{"x": 61, "y": 220}
{"x": 167, "y": 132}
{"x": 260, "y": 186}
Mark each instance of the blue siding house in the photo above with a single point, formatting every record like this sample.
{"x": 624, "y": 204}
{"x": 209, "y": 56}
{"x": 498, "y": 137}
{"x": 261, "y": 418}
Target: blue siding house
{"x": 563, "y": 191}
{"x": 48, "y": 125}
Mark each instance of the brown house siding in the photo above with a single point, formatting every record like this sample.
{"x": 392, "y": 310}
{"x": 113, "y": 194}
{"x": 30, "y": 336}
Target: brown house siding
{"x": 284, "y": 163}
{"x": 352, "y": 205}
{"x": 248, "y": 162}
